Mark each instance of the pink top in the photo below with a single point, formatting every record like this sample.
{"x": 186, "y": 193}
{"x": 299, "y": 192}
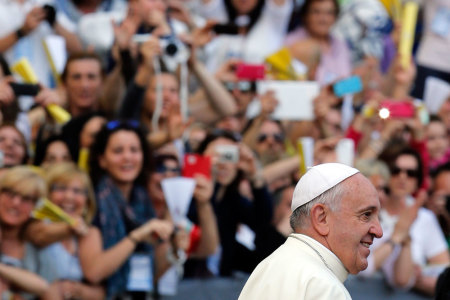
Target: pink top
{"x": 334, "y": 64}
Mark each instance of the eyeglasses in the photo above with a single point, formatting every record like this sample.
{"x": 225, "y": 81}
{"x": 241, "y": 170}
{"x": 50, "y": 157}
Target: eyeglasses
{"x": 278, "y": 137}
{"x": 413, "y": 173}
{"x": 242, "y": 86}
{"x": 114, "y": 124}
{"x": 11, "y": 194}
{"x": 62, "y": 188}
{"x": 162, "y": 169}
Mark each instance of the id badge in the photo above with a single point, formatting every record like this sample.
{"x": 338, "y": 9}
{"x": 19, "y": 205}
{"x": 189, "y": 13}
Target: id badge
{"x": 140, "y": 278}
{"x": 168, "y": 283}
{"x": 441, "y": 22}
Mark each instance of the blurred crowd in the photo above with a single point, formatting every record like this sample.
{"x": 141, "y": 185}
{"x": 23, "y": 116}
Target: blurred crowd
{"x": 174, "y": 163}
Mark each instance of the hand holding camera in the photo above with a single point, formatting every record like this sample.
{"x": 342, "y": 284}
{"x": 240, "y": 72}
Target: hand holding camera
{"x": 149, "y": 49}
{"x": 33, "y": 19}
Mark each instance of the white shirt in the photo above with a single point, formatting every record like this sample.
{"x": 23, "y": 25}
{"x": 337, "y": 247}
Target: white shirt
{"x": 301, "y": 268}
{"x": 265, "y": 37}
{"x": 427, "y": 240}
{"x": 12, "y": 17}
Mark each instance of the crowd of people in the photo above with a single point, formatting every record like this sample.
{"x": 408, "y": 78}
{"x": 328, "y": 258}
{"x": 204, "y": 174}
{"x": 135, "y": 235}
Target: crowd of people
{"x": 159, "y": 90}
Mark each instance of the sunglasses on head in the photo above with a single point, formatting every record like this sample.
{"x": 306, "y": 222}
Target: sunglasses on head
{"x": 413, "y": 173}
{"x": 278, "y": 137}
{"x": 114, "y": 124}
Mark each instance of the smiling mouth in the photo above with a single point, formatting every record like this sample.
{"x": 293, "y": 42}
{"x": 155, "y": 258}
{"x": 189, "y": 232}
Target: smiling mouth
{"x": 367, "y": 245}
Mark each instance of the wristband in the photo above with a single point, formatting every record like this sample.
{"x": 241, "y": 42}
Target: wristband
{"x": 20, "y": 33}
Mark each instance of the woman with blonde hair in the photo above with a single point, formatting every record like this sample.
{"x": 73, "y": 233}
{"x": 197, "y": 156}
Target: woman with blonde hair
{"x": 71, "y": 190}
{"x": 20, "y": 188}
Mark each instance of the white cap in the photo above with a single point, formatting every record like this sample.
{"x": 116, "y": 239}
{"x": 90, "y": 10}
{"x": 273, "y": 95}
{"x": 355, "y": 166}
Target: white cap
{"x": 318, "y": 180}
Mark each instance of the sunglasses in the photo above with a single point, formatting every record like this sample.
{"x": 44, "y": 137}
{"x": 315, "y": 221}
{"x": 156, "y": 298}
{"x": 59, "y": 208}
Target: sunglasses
{"x": 162, "y": 169}
{"x": 111, "y": 125}
{"x": 278, "y": 137}
{"x": 242, "y": 86}
{"x": 413, "y": 173}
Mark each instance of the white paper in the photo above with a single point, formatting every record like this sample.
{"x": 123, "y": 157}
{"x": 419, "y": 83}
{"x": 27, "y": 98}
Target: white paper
{"x": 307, "y": 143}
{"x": 436, "y": 93}
{"x": 246, "y": 236}
{"x": 345, "y": 151}
{"x": 168, "y": 283}
{"x": 56, "y": 46}
{"x": 140, "y": 277}
{"x": 295, "y": 98}
{"x": 178, "y": 193}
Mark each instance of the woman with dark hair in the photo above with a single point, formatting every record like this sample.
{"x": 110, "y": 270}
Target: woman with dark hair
{"x": 119, "y": 163}
{"x": 232, "y": 204}
{"x": 13, "y": 147}
{"x": 412, "y": 238}
{"x": 313, "y": 23}
{"x": 52, "y": 150}
{"x": 262, "y": 22}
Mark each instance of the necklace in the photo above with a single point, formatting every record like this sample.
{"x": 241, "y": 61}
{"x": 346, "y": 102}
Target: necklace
{"x": 315, "y": 250}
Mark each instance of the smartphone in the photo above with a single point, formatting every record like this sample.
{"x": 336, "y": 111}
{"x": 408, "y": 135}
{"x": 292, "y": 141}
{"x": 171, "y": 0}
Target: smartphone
{"x": 250, "y": 72}
{"x": 196, "y": 164}
{"x": 231, "y": 29}
{"x": 50, "y": 14}
{"x": 396, "y": 109}
{"x": 228, "y": 153}
{"x": 350, "y": 85}
{"x": 25, "y": 89}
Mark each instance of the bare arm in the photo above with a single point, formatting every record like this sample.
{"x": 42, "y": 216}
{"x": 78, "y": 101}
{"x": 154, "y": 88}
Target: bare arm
{"x": 25, "y": 280}
{"x": 209, "y": 239}
{"x": 8, "y": 41}
{"x": 404, "y": 266}
{"x": 98, "y": 264}
{"x": 32, "y": 20}
{"x": 216, "y": 93}
{"x": 73, "y": 43}
{"x": 64, "y": 289}
{"x": 280, "y": 168}
{"x": 42, "y": 234}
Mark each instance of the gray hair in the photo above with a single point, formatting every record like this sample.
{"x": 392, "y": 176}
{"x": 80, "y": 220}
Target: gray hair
{"x": 332, "y": 198}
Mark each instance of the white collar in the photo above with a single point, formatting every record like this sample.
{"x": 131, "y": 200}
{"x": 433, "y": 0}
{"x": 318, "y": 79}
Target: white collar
{"x": 330, "y": 260}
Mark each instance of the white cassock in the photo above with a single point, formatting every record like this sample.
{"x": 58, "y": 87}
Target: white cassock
{"x": 301, "y": 268}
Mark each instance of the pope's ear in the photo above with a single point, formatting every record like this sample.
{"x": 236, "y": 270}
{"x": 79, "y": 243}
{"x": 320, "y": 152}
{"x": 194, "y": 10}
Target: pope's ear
{"x": 320, "y": 219}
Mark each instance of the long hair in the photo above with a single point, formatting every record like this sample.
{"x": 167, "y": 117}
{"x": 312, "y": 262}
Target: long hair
{"x": 254, "y": 14}
{"x": 299, "y": 14}
{"x": 99, "y": 146}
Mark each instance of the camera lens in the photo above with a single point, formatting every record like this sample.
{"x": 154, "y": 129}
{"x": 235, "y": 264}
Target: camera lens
{"x": 171, "y": 49}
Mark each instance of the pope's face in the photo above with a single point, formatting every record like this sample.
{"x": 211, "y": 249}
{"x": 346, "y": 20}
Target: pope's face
{"x": 355, "y": 224}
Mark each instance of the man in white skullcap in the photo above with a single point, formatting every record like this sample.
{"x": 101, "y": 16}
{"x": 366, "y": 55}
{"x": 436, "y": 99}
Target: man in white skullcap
{"x": 335, "y": 219}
